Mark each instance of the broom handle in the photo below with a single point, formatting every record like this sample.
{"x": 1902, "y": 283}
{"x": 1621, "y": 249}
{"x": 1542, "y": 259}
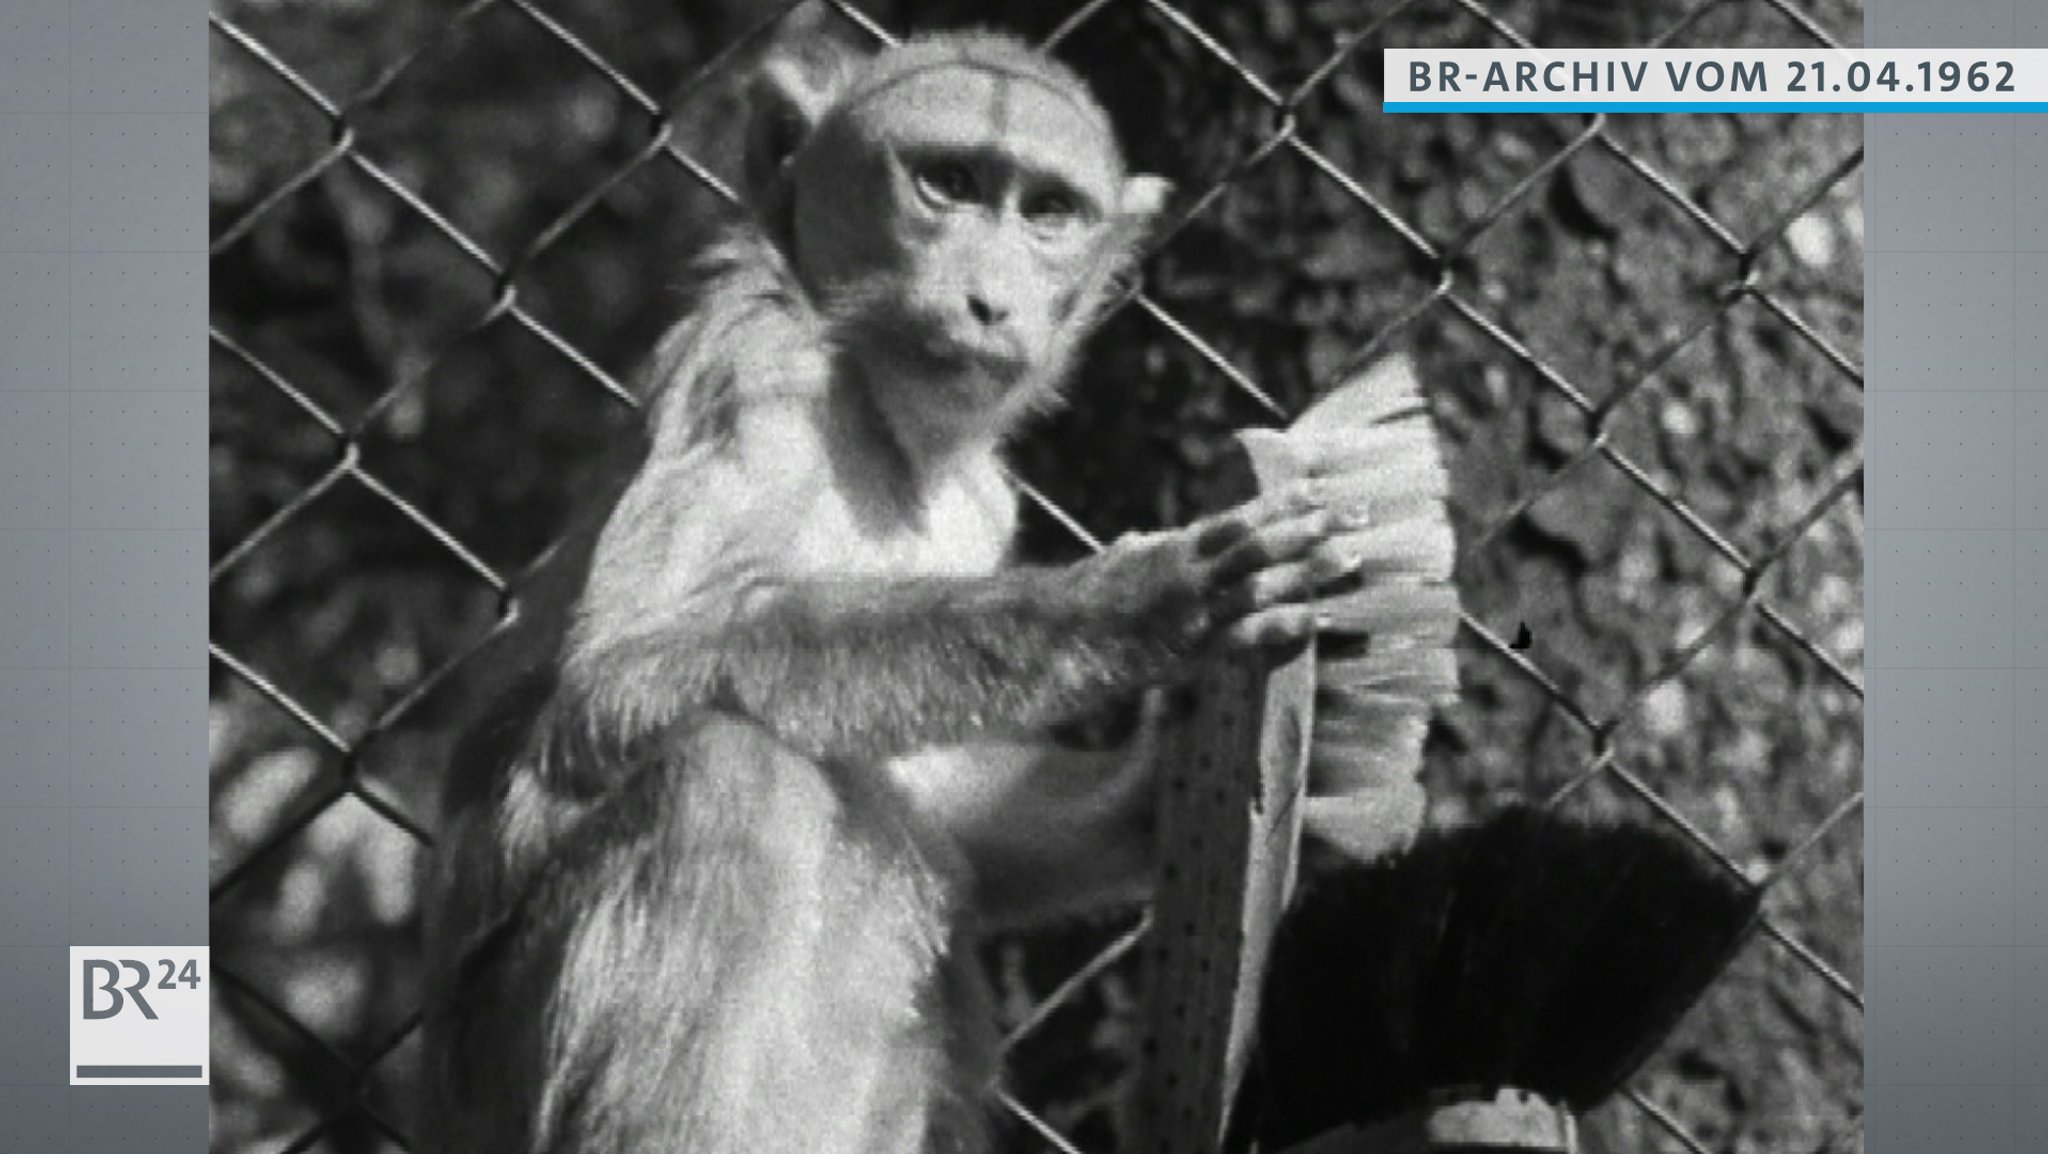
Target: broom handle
{"x": 1232, "y": 781}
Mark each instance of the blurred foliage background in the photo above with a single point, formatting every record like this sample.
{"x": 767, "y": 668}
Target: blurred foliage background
{"x": 443, "y": 229}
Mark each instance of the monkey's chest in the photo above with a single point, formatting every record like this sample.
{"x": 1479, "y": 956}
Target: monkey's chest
{"x": 961, "y": 529}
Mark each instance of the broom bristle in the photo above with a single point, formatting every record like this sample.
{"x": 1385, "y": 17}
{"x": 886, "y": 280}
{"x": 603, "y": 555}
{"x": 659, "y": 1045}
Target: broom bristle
{"x": 1360, "y": 746}
{"x": 1529, "y": 951}
{"x": 1339, "y": 1035}
{"x": 1383, "y": 390}
{"x": 1670, "y": 929}
{"x": 1532, "y": 886}
{"x": 1371, "y": 445}
{"x": 1363, "y": 825}
{"x": 1414, "y": 548}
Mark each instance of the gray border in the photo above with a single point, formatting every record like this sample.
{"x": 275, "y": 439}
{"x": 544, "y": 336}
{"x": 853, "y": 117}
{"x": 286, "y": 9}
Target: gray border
{"x": 102, "y": 535}
{"x": 1956, "y": 836}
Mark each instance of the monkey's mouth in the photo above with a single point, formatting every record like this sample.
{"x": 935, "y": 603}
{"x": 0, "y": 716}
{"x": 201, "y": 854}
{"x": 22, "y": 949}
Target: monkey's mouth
{"x": 976, "y": 367}
{"x": 1001, "y": 361}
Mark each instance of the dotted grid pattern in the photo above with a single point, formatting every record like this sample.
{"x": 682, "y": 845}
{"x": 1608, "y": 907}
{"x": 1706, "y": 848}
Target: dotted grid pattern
{"x": 1957, "y": 833}
{"x": 336, "y": 1086}
{"x": 103, "y": 408}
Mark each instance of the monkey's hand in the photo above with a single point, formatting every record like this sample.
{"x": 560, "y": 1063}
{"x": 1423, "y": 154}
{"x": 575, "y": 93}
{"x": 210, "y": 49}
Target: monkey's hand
{"x": 1243, "y": 577}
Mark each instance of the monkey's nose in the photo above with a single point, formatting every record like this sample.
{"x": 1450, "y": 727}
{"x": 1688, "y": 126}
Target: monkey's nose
{"x": 985, "y": 313}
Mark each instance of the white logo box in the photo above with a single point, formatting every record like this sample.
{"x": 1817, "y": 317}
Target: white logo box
{"x": 140, "y": 1015}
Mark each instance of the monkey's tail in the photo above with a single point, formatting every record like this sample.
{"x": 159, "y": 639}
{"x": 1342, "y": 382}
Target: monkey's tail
{"x": 1385, "y": 660}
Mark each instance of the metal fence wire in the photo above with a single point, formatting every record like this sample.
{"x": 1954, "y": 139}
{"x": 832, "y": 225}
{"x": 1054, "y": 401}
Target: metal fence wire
{"x": 441, "y": 237}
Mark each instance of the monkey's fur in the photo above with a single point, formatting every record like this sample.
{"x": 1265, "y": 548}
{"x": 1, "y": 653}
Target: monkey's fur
{"x": 712, "y": 874}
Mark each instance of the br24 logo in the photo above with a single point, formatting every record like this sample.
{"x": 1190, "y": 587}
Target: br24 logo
{"x": 103, "y": 976}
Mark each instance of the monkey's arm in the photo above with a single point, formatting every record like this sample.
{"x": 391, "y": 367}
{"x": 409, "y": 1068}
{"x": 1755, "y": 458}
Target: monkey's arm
{"x": 868, "y": 667}
{"x": 876, "y": 668}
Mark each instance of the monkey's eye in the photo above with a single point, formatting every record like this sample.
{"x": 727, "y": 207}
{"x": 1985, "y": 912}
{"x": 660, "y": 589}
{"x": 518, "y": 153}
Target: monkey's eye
{"x": 1052, "y": 209}
{"x": 947, "y": 182}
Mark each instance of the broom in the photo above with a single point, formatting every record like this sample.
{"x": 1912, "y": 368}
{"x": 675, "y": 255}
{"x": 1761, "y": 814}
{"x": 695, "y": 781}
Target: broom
{"x": 1384, "y": 660}
{"x": 1478, "y": 989}
{"x": 1324, "y": 740}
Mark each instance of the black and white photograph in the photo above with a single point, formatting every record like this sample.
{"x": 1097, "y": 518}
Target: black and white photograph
{"x": 970, "y": 576}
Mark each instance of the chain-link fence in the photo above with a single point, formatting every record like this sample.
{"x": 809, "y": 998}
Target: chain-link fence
{"x": 445, "y": 233}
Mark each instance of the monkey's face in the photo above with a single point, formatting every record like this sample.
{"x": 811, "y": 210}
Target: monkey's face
{"x": 960, "y": 224}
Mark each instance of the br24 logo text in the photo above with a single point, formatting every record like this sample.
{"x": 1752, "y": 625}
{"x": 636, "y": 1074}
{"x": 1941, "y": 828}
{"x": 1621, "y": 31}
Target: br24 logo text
{"x": 104, "y": 993}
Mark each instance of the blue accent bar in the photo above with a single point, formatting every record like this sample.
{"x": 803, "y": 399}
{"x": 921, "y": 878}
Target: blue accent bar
{"x": 1723, "y": 106}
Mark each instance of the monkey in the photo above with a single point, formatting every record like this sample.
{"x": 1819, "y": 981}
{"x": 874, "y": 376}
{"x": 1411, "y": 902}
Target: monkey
{"x": 712, "y": 872}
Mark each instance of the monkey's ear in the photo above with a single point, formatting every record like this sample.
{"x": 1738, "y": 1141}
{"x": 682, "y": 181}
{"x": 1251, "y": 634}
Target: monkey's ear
{"x": 792, "y": 92}
{"x": 1144, "y": 197}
